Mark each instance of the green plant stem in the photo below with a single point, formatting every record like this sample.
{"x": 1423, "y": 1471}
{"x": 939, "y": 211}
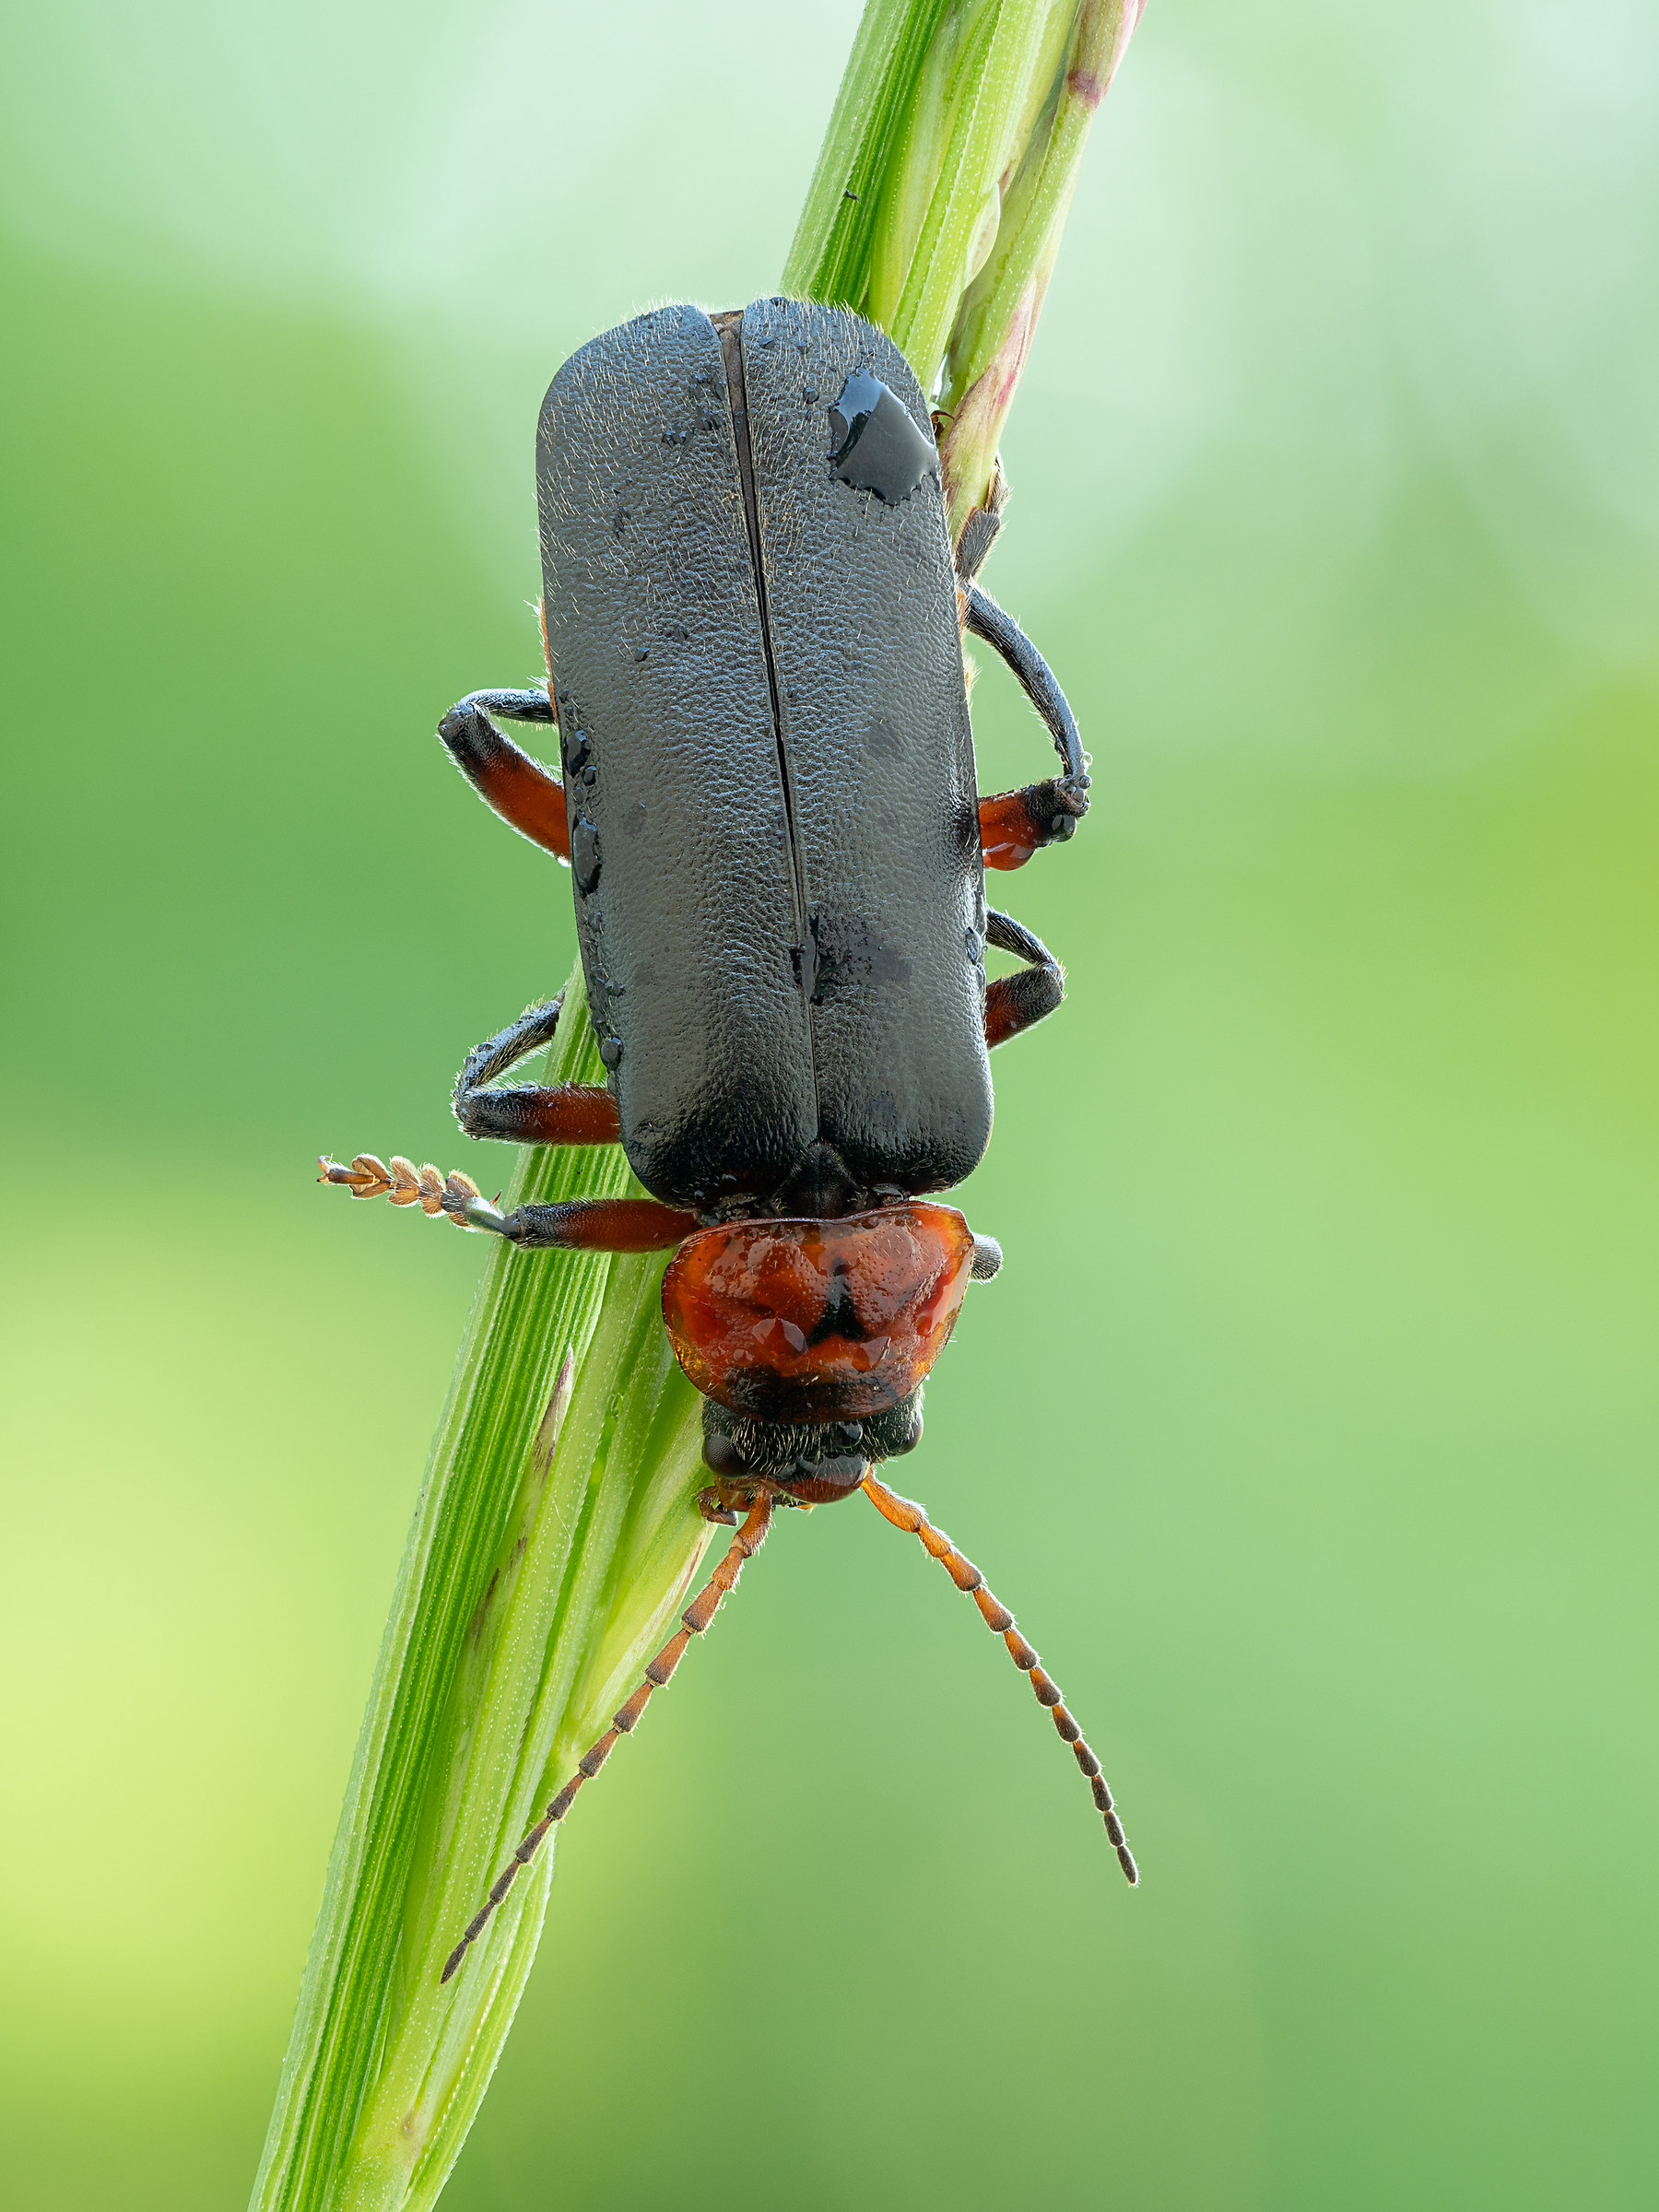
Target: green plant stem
{"x": 940, "y": 195}
{"x": 997, "y": 314}
{"x": 555, "y": 1535}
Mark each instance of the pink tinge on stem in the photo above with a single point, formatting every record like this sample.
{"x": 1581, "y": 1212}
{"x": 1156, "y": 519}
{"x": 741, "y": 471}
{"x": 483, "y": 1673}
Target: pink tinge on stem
{"x": 1101, "y": 34}
{"x": 969, "y": 445}
{"x": 1088, "y": 85}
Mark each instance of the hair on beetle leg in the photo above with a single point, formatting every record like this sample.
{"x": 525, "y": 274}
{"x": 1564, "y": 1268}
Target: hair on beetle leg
{"x": 367, "y": 1177}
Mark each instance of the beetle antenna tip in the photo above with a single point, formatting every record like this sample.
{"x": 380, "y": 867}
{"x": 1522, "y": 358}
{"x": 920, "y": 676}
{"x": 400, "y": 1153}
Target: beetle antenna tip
{"x": 905, "y": 1513}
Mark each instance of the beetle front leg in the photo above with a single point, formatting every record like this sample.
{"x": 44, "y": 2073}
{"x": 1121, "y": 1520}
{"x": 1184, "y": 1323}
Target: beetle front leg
{"x": 582, "y": 1224}
{"x": 531, "y": 1114}
{"x": 572, "y": 1225}
{"x": 519, "y": 790}
{"x": 1014, "y": 1002}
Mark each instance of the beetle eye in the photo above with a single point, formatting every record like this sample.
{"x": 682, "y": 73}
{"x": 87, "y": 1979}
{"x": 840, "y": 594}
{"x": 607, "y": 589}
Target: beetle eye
{"x": 907, "y": 1442}
{"x": 720, "y": 1455}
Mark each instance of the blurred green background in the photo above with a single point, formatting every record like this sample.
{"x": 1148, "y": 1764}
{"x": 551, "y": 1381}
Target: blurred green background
{"x": 1310, "y": 1428}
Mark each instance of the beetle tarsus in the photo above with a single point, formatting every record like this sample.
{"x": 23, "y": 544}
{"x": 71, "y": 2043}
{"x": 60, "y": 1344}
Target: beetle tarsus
{"x": 404, "y": 1183}
{"x": 980, "y": 531}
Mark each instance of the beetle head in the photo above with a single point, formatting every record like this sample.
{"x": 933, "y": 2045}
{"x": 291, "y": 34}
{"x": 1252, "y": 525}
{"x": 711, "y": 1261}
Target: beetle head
{"x": 812, "y": 1463}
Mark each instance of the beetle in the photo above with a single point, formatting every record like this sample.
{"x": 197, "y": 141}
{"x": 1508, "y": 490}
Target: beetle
{"x": 752, "y": 618}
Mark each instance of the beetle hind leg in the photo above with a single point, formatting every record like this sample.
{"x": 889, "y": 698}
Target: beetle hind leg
{"x": 983, "y": 619}
{"x": 1015, "y": 1002}
{"x": 1015, "y": 824}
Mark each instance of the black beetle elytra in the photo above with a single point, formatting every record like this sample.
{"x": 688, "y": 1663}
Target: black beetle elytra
{"x": 752, "y": 617}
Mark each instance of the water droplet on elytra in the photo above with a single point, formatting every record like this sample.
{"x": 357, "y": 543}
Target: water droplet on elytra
{"x": 611, "y": 1049}
{"x": 877, "y": 446}
{"x": 584, "y": 856}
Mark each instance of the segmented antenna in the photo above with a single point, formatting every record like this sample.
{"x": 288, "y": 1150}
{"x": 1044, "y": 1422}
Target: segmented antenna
{"x": 904, "y": 1513}
{"x": 695, "y": 1619}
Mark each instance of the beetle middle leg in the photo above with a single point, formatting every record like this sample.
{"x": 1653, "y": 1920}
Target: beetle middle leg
{"x": 519, "y": 789}
{"x": 1014, "y": 1002}
{"x": 531, "y": 1114}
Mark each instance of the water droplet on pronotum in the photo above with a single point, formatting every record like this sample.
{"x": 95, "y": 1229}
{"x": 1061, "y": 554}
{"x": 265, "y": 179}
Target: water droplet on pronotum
{"x": 584, "y": 856}
{"x": 765, "y": 1332}
{"x": 878, "y": 445}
